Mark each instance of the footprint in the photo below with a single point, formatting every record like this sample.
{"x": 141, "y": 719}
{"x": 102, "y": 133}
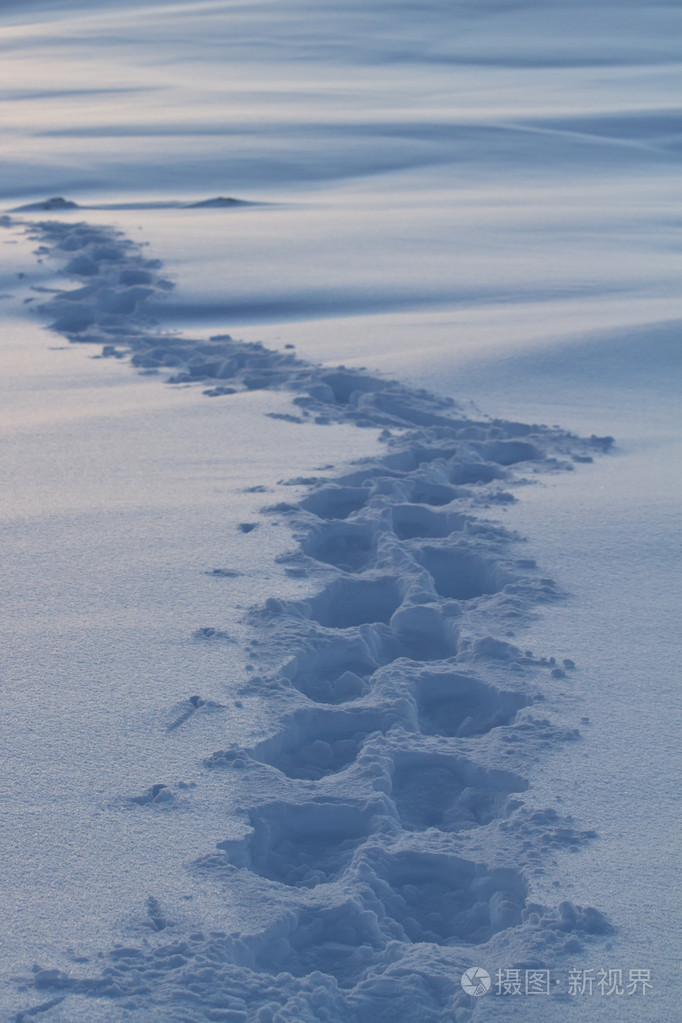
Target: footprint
{"x": 334, "y": 669}
{"x": 335, "y": 502}
{"x": 509, "y": 452}
{"x": 300, "y": 844}
{"x": 346, "y": 603}
{"x": 435, "y": 494}
{"x": 412, "y": 521}
{"x": 453, "y": 704}
{"x": 464, "y": 473}
{"x": 342, "y": 941}
{"x": 460, "y": 574}
{"x": 450, "y": 793}
{"x": 345, "y": 545}
{"x": 317, "y": 743}
{"x": 445, "y": 899}
{"x": 344, "y": 385}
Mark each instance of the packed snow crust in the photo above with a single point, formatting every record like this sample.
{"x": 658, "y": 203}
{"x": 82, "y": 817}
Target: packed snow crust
{"x": 384, "y": 838}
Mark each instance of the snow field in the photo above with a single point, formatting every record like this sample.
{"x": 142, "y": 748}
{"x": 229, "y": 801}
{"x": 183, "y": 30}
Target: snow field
{"x": 484, "y": 196}
{"x": 383, "y": 830}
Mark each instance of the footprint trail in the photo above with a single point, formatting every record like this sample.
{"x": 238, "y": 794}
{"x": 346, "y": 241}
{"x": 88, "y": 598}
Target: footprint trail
{"x": 384, "y": 836}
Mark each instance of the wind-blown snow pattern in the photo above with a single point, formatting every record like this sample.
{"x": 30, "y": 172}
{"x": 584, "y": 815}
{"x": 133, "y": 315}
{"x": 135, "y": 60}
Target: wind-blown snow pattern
{"x": 382, "y": 845}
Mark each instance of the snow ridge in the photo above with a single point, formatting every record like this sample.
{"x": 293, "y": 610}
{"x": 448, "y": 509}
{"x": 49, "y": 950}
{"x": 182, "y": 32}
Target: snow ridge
{"x": 385, "y": 843}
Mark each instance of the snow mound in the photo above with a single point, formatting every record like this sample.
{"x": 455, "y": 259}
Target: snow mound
{"x": 56, "y": 203}
{"x": 217, "y": 203}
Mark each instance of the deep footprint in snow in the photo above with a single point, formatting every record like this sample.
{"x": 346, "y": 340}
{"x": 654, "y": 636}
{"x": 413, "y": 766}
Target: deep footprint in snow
{"x": 415, "y": 898}
{"x": 460, "y": 574}
{"x": 300, "y": 844}
{"x": 335, "y": 669}
{"x": 415, "y": 521}
{"x": 466, "y": 473}
{"x": 346, "y": 603}
{"x": 345, "y": 545}
{"x": 446, "y": 899}
{"x": 450, "y": 793}
{"x": 435, "y": 494}
{"x": 317, "y": 743}
{"x": 336, "y": 502}
{"x": 342, "y": 941}
{"x": 316, "y": 758}
{"x": 343, "y": 684}
{"x": 454, "y": 704}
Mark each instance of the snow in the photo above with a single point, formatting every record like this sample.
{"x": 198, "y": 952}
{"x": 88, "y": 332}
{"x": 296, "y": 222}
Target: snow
{"x": 301, "y": 723}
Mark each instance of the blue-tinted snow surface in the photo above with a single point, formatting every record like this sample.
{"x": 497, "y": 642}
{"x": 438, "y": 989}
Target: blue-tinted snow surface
{"x": 480, "y": 199}
{"x": 383, "y": 837}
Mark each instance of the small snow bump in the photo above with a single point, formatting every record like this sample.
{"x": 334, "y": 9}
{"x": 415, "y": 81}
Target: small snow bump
{"x": 218, "y": 202}
{"x": 55, "y": 204}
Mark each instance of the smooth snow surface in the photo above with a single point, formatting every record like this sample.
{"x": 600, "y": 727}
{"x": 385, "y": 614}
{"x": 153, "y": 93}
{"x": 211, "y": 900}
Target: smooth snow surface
{"x": 320, "y": 685}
